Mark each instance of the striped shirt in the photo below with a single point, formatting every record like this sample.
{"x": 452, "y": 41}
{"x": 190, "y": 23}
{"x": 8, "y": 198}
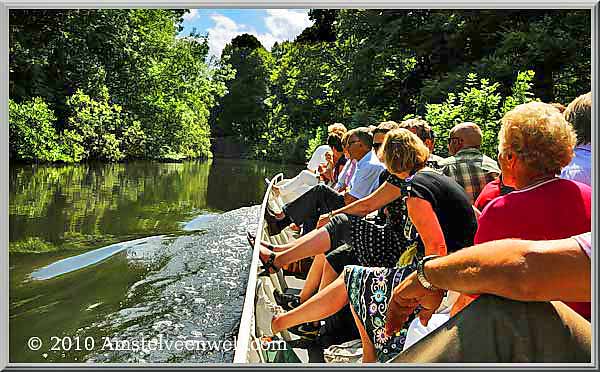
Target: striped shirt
{"x": 471, "y": 169}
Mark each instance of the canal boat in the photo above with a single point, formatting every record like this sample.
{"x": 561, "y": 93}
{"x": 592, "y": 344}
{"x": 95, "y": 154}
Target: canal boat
{"x": 251, "y": 347}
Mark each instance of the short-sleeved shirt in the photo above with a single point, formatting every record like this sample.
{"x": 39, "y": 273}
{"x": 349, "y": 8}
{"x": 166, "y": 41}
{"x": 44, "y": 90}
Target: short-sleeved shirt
{"x": 366, "y": 176}
{"x": 585, "y": 242}
{"x": 580, "y": 168}
{"x": 471, "y": 169}
{"x": 550, "y": 210}
{"x": 318, "y": 157}
{"x": 450, "y": 204}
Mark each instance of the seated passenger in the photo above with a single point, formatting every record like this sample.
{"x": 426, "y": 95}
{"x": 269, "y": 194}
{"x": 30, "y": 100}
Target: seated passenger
{"x": 535, "y": 142}
{"x": 422, "y": 129}
{"x": 321, "y": 199}
{"x": 444, "y": 220}
{"x": 467, "y": 165}
{"x": 293, "y": 188}
{"x": 318, "y": 156}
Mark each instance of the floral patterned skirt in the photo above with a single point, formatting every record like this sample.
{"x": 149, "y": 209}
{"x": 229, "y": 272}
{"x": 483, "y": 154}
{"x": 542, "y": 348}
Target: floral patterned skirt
{"x": 369, "y": 292}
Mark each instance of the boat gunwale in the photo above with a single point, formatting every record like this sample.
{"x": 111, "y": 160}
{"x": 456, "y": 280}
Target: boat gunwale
{"x": 245, "y": 331}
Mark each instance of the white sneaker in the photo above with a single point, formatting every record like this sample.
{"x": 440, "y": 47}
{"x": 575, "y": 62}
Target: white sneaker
{"x": 265, "y": 310}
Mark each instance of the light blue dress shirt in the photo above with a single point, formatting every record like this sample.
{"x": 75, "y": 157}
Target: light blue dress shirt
{"x": 366, "y": 176}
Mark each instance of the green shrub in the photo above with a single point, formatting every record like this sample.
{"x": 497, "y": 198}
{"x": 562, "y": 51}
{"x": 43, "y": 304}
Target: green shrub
{"x": 480, "y": 103}
{"x": 32, "y": 133}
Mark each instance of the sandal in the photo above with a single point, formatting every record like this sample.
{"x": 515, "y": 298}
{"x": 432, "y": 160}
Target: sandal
{"x": 269, "y": 266}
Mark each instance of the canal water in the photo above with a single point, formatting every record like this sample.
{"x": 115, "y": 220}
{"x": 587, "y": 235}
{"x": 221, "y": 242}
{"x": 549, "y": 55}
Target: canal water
{"x": 104, "y": 257}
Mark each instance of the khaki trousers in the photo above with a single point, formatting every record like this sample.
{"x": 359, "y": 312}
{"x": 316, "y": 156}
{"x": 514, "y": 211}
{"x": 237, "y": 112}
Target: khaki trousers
{"x": 496, "y": 330}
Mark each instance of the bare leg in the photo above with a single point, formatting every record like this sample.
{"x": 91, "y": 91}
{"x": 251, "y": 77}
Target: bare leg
{"x": 317, "y": 242}
{"x": 325, "y": 303}
{"x": 369, "y": 355}
{"x": 329, "y": 275}
{"x": 301, "y": 240}
{"x": 311, "y": 285}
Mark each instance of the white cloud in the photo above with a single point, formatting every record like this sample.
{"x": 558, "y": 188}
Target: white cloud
{"x": 286, "y": 24}
{"x": 193, "y": 14}
{"x": 281, "y": 24}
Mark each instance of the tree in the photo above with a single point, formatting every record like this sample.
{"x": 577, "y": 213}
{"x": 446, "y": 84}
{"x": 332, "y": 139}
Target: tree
{"x": 243, "y": 111}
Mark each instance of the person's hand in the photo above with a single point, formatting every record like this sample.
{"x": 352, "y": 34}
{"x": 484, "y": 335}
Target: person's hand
{"x": 405, "y": 298}
{"x": 323, "y": 220}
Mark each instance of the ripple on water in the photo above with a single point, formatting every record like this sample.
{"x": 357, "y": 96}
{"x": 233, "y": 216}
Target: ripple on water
{"x": 197, "y": 294}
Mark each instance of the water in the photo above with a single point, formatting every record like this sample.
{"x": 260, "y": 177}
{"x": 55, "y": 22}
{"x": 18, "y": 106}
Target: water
{"x": 137, "y": 252}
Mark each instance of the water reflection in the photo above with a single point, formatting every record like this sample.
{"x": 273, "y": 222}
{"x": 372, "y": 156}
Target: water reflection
{"x": 68, "y": 225}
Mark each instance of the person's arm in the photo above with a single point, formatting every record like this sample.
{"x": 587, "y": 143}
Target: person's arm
{"x": 384, "y": 195}
{"x": 425, "y": 220}
{"x": 517, "y": 269}
{"x": 348, "y": 198}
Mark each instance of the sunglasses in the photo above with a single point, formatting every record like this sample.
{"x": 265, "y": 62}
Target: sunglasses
{"x": 352, "y": 142}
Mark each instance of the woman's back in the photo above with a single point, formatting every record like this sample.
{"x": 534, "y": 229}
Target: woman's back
{"x": 451, "y": 205}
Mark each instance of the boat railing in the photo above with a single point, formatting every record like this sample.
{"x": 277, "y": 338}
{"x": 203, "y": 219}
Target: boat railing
{"x": 246, "y": 330}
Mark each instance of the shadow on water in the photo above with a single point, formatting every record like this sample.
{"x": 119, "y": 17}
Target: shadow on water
{"x": 128, "y": 251}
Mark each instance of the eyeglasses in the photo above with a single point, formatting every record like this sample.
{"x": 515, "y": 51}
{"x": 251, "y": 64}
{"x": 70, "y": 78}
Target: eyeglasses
{"x": 376, "y": 146}
{"x": 350, "y": 143}
{"x": 454, "y": 139}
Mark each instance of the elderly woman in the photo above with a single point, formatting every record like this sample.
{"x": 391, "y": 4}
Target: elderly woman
{"x": 441, "y": 213}
{"x": 535, "y": 142}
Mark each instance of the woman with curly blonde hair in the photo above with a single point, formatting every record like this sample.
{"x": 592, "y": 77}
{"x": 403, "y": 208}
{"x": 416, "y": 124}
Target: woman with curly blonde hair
{"x": 535, "y": 142}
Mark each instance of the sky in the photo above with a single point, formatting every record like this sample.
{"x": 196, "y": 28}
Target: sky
{"x": 268, "y": 25}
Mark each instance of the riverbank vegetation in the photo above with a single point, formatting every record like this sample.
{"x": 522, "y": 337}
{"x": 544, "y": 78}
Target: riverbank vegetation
{"x": 119, "y": 84}
{"x": 109, "y": 85}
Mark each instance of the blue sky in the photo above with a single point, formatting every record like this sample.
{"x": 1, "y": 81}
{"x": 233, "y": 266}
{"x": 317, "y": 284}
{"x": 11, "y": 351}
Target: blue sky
{"x": 268, "y": 25}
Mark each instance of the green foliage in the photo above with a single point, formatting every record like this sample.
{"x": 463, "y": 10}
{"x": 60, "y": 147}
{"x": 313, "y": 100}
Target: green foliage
{"x": 31, "y": 131}
{"x": 96, "y": 125}
{"x": 480, "y": 103}
{"x": 130, "y": 59}
{"x": 317, "y": 140}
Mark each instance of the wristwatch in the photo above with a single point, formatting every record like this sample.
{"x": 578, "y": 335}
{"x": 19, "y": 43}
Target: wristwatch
{"x": 421, "y": 273}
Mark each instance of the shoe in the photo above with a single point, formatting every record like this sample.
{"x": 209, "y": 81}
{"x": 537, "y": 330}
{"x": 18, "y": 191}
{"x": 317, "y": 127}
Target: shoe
{"x": 287, "y": 301}
{"x": 305, "y": 330}
{"x": 265, "y": 311}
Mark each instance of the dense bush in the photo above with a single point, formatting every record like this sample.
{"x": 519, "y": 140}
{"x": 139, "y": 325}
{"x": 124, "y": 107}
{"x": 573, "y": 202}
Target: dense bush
{"x": 31, "y": 131}
{"x": 120, "y": 82}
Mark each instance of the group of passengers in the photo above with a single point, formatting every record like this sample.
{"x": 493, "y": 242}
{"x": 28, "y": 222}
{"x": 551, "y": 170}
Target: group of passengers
{"x": 405, "y": 236}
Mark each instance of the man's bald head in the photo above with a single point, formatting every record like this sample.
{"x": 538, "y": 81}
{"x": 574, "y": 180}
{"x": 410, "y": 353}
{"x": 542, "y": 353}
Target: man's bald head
{"x": 463, "y": 136}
